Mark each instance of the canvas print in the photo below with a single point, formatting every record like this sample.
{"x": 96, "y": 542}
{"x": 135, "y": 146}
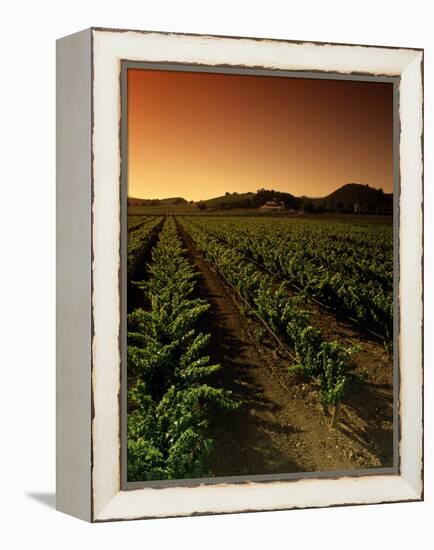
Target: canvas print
{"x": 260, "y": 275}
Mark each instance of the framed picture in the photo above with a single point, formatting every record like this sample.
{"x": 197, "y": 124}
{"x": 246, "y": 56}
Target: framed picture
{"x": 239, "y": 274}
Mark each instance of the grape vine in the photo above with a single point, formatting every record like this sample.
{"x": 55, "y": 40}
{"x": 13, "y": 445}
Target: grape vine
{"x": 328, "y": 364}
{"x": 170, "y": 401}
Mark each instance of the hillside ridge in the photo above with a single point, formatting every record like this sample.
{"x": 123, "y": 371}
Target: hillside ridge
{"x": 350, "y": 197}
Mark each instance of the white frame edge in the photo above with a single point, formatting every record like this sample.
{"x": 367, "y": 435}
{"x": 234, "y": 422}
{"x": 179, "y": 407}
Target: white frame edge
{"x": 108, "y": 501}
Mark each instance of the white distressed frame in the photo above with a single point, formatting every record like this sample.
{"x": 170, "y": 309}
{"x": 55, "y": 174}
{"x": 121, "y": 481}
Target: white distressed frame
{"x": 106, "y": 499}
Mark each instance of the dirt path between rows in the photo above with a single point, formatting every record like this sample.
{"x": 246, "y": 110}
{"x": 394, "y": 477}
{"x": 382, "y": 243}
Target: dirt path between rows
{"x": 280, "y": 426}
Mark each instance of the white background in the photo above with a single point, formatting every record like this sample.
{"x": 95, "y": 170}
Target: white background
{"x": 27, "y": 304}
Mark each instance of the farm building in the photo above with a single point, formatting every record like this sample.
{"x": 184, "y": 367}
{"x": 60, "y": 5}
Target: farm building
{"x": 273, "y": 206}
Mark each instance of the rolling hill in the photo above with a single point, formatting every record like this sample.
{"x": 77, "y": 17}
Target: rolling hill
{"x": 356, "y": 197}
{"x": 251, "y": 200}
{"x": 350, "y": 198}
{"x": 230, "y": 200}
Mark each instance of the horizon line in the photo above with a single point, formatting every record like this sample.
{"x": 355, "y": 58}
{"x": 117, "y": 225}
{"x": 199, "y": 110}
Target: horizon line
{"x": 255, "y": 192}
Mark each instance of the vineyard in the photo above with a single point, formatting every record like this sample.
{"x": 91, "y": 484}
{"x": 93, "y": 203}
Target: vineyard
{"x": 169, "y": 401}
{"x": 140, "y": 238}
{"x": 256, "y": 344}
{"x": 349, "y": 269}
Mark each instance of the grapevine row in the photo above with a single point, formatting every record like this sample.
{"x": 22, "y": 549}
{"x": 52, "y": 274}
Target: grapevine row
{"x": 328, "y": 364}
{"x": 140, "y": 238}
{"x": 339, "y": 268}
{"x": 136, "y": 220}
{"x": 170, "y": 403}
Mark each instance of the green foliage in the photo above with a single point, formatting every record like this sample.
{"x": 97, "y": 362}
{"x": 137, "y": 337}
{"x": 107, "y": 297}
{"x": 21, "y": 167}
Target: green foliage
{"x": 169, "y": 403}
{"x": 328, "y": 364}
{"x": 347, "y": 267}
{"x": 141, "y": 231}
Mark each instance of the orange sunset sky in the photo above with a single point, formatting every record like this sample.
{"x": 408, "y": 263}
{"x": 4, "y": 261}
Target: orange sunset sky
{"x": 198, "y": 135}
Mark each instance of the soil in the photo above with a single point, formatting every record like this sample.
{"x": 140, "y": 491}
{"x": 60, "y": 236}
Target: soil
{"x": 280, "y": 425}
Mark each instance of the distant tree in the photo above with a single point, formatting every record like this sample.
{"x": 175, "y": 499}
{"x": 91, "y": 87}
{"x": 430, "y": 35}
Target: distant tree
{"x": 264, "y": 195}
{"x": 201, "y": 205}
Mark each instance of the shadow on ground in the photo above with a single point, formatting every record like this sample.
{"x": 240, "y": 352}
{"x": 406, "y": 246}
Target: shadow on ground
{"x": 47, "y": 499}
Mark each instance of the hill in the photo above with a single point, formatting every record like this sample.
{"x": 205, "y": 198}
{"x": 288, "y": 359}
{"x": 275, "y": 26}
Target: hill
{"x": 350, "y": 198}
{"x": 251, "y": 200}
{"x": 230, "y": 200}
{"x": 354, "y": 197}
